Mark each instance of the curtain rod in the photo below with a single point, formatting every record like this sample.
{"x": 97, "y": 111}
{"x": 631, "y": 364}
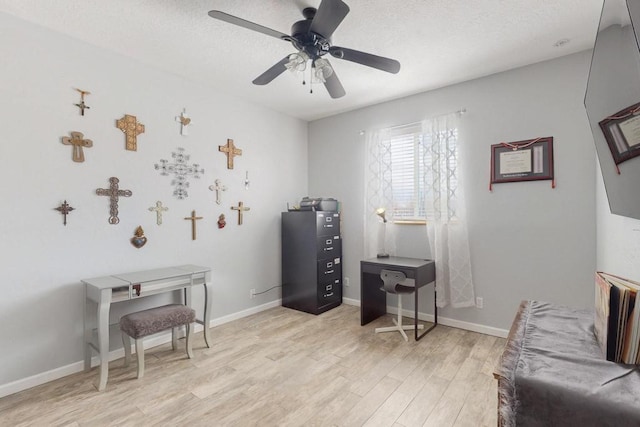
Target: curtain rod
{"x": 459, "y": 112}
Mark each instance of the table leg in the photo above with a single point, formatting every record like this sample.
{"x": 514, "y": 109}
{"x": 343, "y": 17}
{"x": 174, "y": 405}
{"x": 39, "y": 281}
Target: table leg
{"x": 87, "y": 333}
{"x": 435, "y": 314}
{"x": 207, "y": 316}
{"x": 103, "y": 337}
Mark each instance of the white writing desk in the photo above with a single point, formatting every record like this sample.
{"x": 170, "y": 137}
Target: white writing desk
{"x": 107, "y": 290}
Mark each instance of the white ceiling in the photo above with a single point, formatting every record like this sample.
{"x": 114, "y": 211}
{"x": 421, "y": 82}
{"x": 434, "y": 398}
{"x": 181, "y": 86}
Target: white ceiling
{"x": 438, "y": 42}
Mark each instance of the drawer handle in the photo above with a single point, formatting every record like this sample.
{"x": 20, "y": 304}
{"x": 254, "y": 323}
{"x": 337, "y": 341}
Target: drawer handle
{"x": 136, "y": 288}
{"x": 328, "y": 272}
{"x": 330, "y": 248}
{"x": 328, "y": 295}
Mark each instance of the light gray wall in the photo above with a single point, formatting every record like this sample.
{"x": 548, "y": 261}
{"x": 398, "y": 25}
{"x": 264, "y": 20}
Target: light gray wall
{"x": 43, "y": 262}
{"x": 528, "y": 241}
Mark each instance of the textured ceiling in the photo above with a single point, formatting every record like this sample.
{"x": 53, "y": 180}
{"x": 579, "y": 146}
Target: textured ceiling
{"x": 438, "y": 42}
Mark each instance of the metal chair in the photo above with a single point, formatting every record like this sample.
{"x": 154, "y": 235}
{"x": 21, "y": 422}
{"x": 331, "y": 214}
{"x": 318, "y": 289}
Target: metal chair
{"x": 396, "y": 282}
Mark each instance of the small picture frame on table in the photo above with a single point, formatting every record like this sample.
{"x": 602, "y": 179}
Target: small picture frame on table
{"x": 528, "y": 160}
{"x": 622, "y": 133}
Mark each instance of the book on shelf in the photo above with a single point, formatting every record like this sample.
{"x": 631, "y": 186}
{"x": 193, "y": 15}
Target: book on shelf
{"x": 617, "y": 318}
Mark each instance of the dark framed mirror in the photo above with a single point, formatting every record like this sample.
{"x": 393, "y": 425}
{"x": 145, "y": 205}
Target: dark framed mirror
{"x": 613, "y": 92}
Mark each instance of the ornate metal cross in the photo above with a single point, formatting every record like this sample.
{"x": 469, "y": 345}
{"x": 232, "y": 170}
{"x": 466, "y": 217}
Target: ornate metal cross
{"x": 114, "y": 194}
{"x": 181, "y": 170}
{"x": 193, "y": 218}
{"x": 240, "y": 208}
{"x": 184, "y": 121}
{"x": 81, "y": 105}
{"x": 64, "y": 209}
{"x": 158, "y": 210}
{"x": 131, "y": 128}
{"x": 218, "y": 188}
{"x": 231, "y": 151}
{"x": 77, "y": 141}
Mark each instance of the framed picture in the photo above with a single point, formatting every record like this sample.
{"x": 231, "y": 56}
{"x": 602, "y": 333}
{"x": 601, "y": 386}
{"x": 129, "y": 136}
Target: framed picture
{"x": 528, "y": 160}
{"x": 622, "y": 132}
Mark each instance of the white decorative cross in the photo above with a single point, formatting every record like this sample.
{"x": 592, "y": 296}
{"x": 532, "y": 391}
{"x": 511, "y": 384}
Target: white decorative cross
{"x": 158, "y": 210}
{"x": 218, "y": 188}
{"x": 184, "y": 121}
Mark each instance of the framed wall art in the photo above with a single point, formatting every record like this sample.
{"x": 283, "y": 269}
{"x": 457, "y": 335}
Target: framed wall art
{"x": 528, "y": 160}
{"x": 622, "y": 133}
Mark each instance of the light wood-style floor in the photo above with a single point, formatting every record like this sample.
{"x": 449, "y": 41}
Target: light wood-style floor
{"x": 284, "y": 368}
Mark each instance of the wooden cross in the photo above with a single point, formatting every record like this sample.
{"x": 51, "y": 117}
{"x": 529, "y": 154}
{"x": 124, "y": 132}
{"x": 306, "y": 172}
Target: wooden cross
{"x": 81, "y": 105}
{"x": 64, "y": 209}
{"x": 193, "y": 218}
{"x": 231, "y": 151}
{"x": 114, "y": 193}
{"x": 218, "y": 188}
{"x": 158, "y": 210}
{"x": 184, "y": 121}
{"x": 131, "y": 128}
{"x": 240, "y": 208}
{"x": 78, "y": 141}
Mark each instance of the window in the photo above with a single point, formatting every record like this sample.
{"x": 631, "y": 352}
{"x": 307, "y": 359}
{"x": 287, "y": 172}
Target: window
{"x": 414, "y": 170}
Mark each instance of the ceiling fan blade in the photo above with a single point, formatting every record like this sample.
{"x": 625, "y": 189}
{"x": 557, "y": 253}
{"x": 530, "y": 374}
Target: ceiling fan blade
{"x": 216, "y": 14}
{"x": 329, "y": 15}
{"x": 334, "y": 87}
{"x": 272, "y": 72}
{"x": 375, "y": 61}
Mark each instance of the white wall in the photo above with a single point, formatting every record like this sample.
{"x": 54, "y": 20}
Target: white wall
{"x": 528, "y": 241}
{"x": 43, "y": 262}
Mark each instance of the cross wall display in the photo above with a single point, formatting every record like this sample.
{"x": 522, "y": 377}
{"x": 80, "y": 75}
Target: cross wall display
{"x": 158, "y": 209}
{"x": 64, "y": 209}
{"x": 240, "y": 208}
{"x": 193, "y": 218}
{"x": 78, "y": 142}
{"x": 114, "y": 193}
{"x": 131, "y": 128}
{"x": 231, "y": 151}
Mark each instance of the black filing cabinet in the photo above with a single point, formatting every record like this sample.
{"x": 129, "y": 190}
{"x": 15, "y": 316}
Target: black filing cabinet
{"x": 311, "y": 261}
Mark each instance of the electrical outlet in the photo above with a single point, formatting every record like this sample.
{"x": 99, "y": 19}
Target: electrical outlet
{"x": 252, "y": 293}
{"x": 346, "y": 281}
{"x": 479, "y": 302}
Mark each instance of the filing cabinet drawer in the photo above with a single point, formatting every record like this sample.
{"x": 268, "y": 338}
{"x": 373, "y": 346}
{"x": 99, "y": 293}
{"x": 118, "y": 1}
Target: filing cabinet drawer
{"x": 329, "y": 292}
{"x": 329, "y": 270}
{"x": 327, "y": 223}
{"x": 329, "y": 247}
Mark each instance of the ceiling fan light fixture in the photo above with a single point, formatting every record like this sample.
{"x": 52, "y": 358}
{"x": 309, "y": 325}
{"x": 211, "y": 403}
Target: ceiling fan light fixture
{"x": 297, "y": 62}
{"x": 322, "y": 70}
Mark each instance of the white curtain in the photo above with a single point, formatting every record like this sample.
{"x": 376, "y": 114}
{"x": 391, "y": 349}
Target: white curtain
{"x": 378, "y": 237}
{"x": 445, "y": 211}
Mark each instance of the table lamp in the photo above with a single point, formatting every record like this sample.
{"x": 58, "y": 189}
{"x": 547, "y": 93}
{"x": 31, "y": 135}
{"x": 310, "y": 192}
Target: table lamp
{"x": 381, "y": 212}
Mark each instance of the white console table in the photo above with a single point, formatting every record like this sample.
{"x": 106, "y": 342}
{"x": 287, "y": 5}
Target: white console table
{"x": 107, "y": 290}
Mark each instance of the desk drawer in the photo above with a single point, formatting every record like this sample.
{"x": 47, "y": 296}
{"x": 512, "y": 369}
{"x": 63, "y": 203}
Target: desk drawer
{"x": 328, "y": 223}
{"x": 329, "y": 247}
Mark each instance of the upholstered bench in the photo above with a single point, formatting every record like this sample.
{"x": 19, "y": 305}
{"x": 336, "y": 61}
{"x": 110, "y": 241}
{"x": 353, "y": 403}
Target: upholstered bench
{"x": 148, "y": 322}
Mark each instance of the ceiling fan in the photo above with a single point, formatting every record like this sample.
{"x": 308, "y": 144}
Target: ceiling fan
{"x": 312, "y": 39}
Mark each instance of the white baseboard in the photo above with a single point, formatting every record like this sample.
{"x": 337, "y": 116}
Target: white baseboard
{"x": 63, "y": 371}
{"x": 446, "y": 321}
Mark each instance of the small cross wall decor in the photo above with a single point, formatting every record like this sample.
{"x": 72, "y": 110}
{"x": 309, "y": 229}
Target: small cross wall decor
{"x": 78, "y": 141}
{"x": 114, "y": 194}
{"x": 218, "y": 188}
{"x": 64, "y": 209}
{"x": 240, "y": 208}
{"x": 131, "y": 128}
{"x": 231, "y": 151}
{"x": 185, "y": 121}
{"x": 193, "y": 218}
{"x": 81, "y": 105}
{"x": 158, "y": 209}
{"x": 181, "y": 169}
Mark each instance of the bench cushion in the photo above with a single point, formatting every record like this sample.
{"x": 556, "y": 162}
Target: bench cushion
{"x": 157, "y": 319}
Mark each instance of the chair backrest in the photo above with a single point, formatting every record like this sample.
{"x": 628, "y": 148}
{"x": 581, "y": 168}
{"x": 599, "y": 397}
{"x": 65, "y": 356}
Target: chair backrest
{"x": 395, "y": 282}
